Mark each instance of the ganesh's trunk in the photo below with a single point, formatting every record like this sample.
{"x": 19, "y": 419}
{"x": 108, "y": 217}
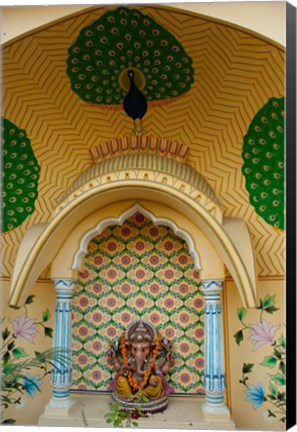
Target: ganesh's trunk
{"x": 139, "y": 361}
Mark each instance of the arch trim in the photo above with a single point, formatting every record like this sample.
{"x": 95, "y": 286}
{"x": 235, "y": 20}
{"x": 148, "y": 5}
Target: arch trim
{"x": 83, "y": 246}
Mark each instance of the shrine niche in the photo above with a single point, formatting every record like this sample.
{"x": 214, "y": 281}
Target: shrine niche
{"x": 174, "y": 199}
{"x": 138, "y": 270}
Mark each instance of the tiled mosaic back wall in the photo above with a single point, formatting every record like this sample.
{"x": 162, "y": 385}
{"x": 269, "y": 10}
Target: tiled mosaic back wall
{"x": 137, "y": 270}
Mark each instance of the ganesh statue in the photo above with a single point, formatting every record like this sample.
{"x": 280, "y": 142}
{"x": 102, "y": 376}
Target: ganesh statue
{"x": 142, "y": 359}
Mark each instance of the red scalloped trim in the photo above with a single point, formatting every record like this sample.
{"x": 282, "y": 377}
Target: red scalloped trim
{"x": 139, "y": 144}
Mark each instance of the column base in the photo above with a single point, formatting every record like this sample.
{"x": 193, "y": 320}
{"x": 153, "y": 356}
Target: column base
{"x": 217, "y": 414}
{"x": 59, "y": 407}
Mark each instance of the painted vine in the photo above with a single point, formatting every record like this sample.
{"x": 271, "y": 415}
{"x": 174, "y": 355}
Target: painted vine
{"x": 262, "y": 333}
{"x": 21, "y": 374}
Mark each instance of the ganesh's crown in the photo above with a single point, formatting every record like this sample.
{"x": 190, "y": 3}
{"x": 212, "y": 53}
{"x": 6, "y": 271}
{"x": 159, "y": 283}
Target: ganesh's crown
{"x": 140, "y": 330}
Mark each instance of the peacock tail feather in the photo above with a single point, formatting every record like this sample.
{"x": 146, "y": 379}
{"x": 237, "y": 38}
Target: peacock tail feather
{"x": 121, "y": 39}
{"x": 264, "y": 167}
{"x": 19, "y": 176}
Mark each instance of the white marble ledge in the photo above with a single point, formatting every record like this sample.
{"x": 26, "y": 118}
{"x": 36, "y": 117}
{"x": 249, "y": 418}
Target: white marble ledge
{"x": 183, "y": 412}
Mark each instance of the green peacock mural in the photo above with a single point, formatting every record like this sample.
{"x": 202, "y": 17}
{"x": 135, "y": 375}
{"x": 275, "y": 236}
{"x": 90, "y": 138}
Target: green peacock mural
{"x": 264, "y": 166}
{"x": 126, "y": 57}
{"x": 19, "y": 176}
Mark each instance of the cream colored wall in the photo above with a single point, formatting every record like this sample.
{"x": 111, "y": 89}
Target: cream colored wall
{"x": 265, "y": 18}
{"x": 244, "y": 415}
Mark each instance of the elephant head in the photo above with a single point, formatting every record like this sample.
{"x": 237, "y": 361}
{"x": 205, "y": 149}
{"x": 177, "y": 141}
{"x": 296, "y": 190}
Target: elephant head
{"x": 140, "y": 352}
{"x": 140, "y": 344}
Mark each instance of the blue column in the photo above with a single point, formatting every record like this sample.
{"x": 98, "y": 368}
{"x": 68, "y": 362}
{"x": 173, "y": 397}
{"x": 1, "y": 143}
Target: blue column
{"x": 61, "y": 374}
{"x": 214, "y": 369}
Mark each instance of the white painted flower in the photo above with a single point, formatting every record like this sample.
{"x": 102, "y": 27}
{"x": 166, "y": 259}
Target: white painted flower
{"x": 267, "y": 417}
{"x": 21, "y": 404}
{"x": 262, "y": 333}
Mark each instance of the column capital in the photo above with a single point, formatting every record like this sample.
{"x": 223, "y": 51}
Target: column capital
{"x": 64, "y": 286}
{"x": 212, "y": 286}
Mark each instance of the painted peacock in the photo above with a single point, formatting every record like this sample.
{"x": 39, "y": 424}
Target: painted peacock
{"x": 264, "y": 165}
{"x": 127, "y": 58}
{"x": 19, "y": 176}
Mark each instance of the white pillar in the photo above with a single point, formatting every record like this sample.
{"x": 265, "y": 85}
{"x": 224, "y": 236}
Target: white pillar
{"x": 61, "y": 376}
{"x": 214, "y": 368}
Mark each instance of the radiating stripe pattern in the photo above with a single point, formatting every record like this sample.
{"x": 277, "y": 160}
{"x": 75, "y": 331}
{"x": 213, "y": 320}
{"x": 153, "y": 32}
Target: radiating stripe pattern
{"x": 235, "y": 74}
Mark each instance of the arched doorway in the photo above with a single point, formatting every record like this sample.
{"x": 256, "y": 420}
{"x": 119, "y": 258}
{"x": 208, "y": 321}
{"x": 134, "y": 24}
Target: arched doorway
{"x": 137, "y": 270}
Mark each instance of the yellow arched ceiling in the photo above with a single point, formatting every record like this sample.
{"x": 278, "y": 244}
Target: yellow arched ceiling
{"x": 236, "y": 72}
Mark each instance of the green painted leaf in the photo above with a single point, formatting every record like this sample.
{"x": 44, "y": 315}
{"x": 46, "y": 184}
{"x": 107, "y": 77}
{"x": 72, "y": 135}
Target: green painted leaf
{"x": 277, "y": 354}
{"x": 239, "y": 337}
{"x": 273, "y": 389}
{"x": 269, "y": 301}
{"x": 269, "y": 361}
{"x": 19, "y": 352}
{"x": 48, "y": 332}
{"x": 30, "y": 299}
{"x": 282, "y": 341}
{"x": 278, "y": 378}
{"x": 8, "y": 368}
{"x": 281, "y": 396}
{"x": 247, "y": 367}
{"x": 9, "y": 421}
{"x": 271, "y": 309}
{"x": 134, "y": 423}
{"x": 46, "y": 315}
{"x": 241, "y": 313}
{"x": 282, "y": 367}
{"x": 5, "y": 333}
{"x": 6, "y": 357}
{"x": 11, "y": 345}
{"x": 14, "y": 307}
{"x": 271, "y": 414}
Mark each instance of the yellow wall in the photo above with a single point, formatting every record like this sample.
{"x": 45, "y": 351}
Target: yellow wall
{"x": 45, "y": 297}
{"x": 244, "y": 415}
{"x": 62, "y": 129}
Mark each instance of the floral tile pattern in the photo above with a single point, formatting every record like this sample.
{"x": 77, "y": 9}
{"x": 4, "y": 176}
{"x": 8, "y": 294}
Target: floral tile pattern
{"x": 137, "y": 270}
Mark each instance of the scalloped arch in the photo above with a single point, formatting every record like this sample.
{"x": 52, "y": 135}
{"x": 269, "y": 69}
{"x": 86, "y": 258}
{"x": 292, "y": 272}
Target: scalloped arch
{"x": 83, "y": 247}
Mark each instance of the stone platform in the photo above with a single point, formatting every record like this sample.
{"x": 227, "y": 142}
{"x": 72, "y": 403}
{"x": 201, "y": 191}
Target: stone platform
{"x": 183, "y": 412}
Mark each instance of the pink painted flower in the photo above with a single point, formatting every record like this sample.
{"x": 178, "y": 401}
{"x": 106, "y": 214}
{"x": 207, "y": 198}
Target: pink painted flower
{"x": 24, "y": 327}
{"x": 262, "y": 333}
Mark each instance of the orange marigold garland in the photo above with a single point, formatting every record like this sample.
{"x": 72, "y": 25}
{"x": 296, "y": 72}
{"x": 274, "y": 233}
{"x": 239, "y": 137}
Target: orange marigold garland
{"x": 147, "y": 373}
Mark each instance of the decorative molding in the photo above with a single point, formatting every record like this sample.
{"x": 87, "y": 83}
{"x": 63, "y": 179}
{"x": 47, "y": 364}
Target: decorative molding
{"x": 145, "y": 168}
{"x": 83, "y": 246}
{"x": 64, "y": 288}
{"x": 139, "y": 145}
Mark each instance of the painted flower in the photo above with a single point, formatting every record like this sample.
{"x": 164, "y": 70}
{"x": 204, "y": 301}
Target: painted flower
{"x": 32, "y": 384}
{"x": 24, "y": 327}
{"x": 267, "y": 417}
{"x": 262, "y": 333}
{"x": 20, "y": 405}
{"x": 256, "y": 395}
